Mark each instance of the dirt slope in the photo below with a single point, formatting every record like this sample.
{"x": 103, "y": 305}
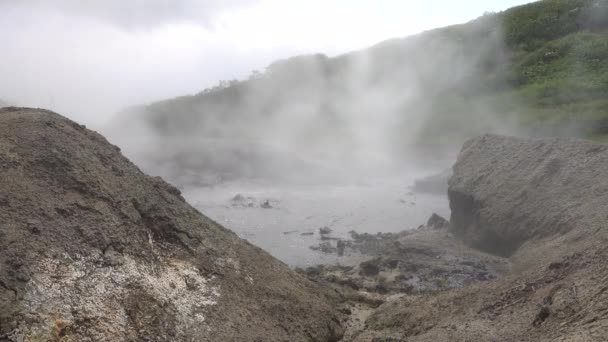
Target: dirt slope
{"x": 92, "y": 249}
{"x": 544, "y": 204}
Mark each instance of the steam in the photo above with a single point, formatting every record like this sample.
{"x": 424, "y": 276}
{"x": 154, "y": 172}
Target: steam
{"x": 404, "y": 104}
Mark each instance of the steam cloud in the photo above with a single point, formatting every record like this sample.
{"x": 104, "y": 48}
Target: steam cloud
{"x": 312, "y": 118}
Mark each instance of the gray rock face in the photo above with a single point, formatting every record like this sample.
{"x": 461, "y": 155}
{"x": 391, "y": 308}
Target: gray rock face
{"x": 92, "y": 249}
{"x": 507, "y": 191}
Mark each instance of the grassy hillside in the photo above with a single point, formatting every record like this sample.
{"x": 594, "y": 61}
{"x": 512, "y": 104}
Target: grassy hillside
{"x": 537, "y": 69}
{"x": 562, "y": 68}
{"x": 549, "y": 72}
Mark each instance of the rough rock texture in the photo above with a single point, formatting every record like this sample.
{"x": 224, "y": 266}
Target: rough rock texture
{"x": 507, "y": 191}
{"x": 92, "y": 249}
{"x": 416, "y": 261}
{"x": 544, "y": 203}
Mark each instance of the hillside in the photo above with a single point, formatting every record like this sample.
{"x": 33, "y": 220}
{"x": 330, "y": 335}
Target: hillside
{"x": 538, "y": 69}
{"x": 93, "y": 249}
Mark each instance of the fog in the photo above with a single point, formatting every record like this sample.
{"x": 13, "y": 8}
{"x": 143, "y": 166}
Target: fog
{"x": 315, "y": 141}
{"x": 405, "y": 104}
{"x": 89, "y": 59}
{"x": 272, "y": 146}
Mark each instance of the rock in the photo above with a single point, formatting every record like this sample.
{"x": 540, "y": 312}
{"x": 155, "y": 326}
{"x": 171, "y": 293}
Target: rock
{"x": 325, "y": 247}
{"x": 241, "y": 201}
{"x": 542, "y": 203}
{"x": 369, "y": 268}
{"x": 119, "y": 255}
{"x": 360, "y": 238}
{"x": 541, "y": 316}
{"x": 328, "y": 238}
{"x": 266, "y": 205}
{"x": 307, "y": 233}
{"x": 437, "y": 222}
{"x": 325, "y": 231}
{"x": 238, "y": 198}
{"x": 508, "y": 191}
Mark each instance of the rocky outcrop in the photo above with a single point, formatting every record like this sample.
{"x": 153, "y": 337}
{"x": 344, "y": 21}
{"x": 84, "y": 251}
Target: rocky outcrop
{"x": 508, "y": 191}
{"x": 541, "y": 202}
{"x": 416, "y": 261}
{"x": 92, "y": 249}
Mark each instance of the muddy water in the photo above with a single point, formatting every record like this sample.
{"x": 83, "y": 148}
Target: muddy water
{"x": 285, "y": 219}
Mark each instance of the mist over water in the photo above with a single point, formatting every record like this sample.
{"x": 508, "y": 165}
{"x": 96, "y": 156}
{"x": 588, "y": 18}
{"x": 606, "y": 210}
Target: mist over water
{"x": 316, "y": 142}
{"x": 279, "y": 199}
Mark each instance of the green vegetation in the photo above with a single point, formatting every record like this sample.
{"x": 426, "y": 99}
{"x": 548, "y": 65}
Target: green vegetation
{"x": 565, "y": 79}
{"x": 556, "y": 74}
{"x": 529, "y": 27}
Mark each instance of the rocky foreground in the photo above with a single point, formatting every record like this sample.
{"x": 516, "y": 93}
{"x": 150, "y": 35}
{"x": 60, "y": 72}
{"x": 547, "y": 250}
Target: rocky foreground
{"x": 523, "y": 259}
{"x": 92, "y": 249}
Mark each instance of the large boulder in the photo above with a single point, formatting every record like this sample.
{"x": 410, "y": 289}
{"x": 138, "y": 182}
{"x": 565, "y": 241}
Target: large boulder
{"x": 92, "y": 249}
{"x": 507, "y": 191}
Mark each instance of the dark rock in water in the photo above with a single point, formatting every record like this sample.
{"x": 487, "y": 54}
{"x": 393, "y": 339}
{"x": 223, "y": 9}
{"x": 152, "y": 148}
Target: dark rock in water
{"x": 307, "y": 233}
{"x": 241, "y": 201}
{"x": 362, "y": 237}
{"x": 266, "y": 205}
{"x": 92, "y": 249}
{"x": 425, "y": 260}
{"x": 437, "y": 222}
{"x": 325, "y": 247}
{"x": 325, "y": 230}
{"x": 238, "y": 198}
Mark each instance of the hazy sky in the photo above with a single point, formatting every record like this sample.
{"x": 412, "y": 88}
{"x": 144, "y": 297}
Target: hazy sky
{"x": 88, "y": 58}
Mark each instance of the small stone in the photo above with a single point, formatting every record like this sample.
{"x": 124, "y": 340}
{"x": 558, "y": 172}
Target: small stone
{"x": 325, "y": 230}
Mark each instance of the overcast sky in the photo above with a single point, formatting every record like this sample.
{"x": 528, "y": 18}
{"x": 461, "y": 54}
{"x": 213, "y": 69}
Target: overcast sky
{"x": 88, "y": 58}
